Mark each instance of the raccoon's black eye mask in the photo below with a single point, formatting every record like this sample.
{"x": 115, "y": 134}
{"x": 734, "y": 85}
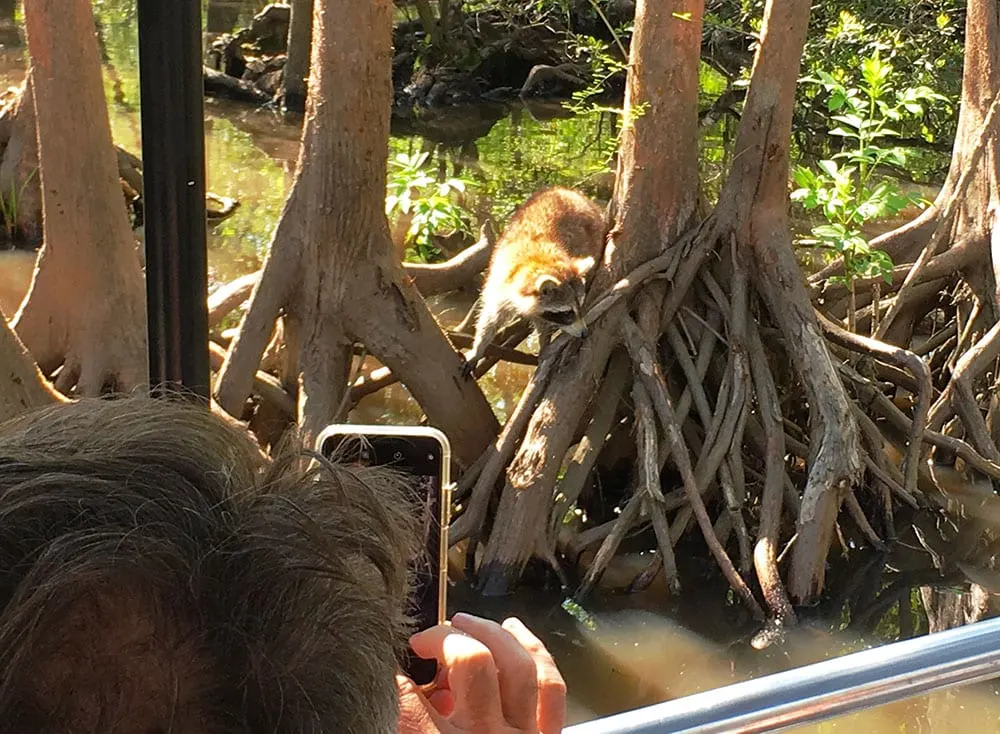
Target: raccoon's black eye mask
{"x": 560, "y": 318}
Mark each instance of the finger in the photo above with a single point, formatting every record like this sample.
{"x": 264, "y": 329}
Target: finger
{"x": 472, "y": 674}
{"x": 416, "y": 714}
{"x": 443, "y": 701}
{"x": 551, "y": 712}
{"x": 516, "y": 669}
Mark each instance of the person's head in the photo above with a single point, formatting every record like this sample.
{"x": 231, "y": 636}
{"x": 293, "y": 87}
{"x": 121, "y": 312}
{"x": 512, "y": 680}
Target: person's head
{"x": 158, "y": 575}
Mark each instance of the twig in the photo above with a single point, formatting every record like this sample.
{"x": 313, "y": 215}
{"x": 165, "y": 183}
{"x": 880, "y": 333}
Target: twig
{"x": 498, "y": 353}
{"x": 610, "y": 546}
{"x": 958, "y": 393}
{"x": 875, "y": 460}
{"x": 642, "y": 355}
{"x": 649, "y": 474}
{"x": 901, "y": 423}
{"x": 858, "y": 515}
{"x": 345, "y": 400}
{"x": 741, "y": 377}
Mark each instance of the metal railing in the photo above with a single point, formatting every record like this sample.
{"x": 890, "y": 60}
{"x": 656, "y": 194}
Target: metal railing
{"x": 823, "y": 690}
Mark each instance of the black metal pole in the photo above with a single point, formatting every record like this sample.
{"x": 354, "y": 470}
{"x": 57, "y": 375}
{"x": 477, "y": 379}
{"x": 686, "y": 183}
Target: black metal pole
{"x": 173, "y": 156}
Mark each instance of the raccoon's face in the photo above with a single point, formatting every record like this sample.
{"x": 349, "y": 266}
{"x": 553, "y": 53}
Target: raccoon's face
{"x": 557, "y": 297}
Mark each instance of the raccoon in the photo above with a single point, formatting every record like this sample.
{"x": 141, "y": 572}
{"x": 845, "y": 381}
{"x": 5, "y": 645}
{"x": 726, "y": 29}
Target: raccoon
{"x": 538, "y": 268}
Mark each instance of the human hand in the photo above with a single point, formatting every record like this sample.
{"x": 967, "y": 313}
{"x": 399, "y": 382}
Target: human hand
{"x": 492, "y": 679}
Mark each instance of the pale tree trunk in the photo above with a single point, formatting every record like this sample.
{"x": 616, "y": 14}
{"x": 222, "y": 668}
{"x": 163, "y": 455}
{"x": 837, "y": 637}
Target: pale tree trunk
{"x": 332, "y": 271}
{"x": 296, "y": 70}
{"x": 85, "y": 312}
{"x": 22, "y": 385}
{"x": 971, "y": 195}
{"x": 754, "y": 206}
{"x": 654, "y": 200}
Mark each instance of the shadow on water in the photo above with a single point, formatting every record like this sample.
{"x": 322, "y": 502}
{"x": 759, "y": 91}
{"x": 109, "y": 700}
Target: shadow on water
{"x": 618, "y": 651}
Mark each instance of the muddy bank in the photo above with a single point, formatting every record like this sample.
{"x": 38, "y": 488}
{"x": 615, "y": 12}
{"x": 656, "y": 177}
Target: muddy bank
{"x": 463, "y": 58}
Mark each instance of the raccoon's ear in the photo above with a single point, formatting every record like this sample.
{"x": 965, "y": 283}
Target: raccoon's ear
{"x": 584, "y": 264}
{"x": 546, "y": 284}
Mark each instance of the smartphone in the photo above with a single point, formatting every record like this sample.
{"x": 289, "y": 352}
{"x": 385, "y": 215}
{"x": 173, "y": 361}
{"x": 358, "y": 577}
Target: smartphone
{"x": 425, "y": 455}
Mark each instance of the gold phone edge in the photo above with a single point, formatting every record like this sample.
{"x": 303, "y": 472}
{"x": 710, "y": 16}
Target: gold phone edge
{"x": 446, "y": 493}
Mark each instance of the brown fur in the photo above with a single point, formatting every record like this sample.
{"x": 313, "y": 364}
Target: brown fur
{"x": 539, "y": 266}
{"x": 158, "y": 575}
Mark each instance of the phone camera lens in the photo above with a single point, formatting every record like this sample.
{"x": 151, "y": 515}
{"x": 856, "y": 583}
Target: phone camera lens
{"x": 398, "y": 455}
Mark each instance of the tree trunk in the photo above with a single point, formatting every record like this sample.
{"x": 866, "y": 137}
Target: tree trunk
{"x": 754, "y": 205}
{"x": 654, "y": 200}
{"x": 331, "y": 270}
{"x": 297, "y": 62}
{"x": 977, "y": 215}
{"x": 85, "y": 312}
{"x": 22, "y": 385}
{"x": 973, "y": 191}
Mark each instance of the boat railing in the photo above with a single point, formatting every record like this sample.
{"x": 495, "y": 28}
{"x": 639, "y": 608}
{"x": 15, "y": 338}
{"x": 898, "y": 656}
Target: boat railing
{"x": 823, "y": 690}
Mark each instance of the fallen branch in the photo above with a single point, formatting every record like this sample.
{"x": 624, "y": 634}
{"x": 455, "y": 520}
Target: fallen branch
{"x": 265, "y": 386}
{"x": 458, "y": 272}
{"x": 229, "y": 296}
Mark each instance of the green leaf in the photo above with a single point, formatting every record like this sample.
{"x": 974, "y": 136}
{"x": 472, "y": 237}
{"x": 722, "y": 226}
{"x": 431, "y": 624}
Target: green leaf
{"x": 843, "y": 132}
{"x": 836, "y": 101}
{"x": 827, "y": 78}
{"x": 804, "y": 177}
{"x": 830, "y": 231}
{"x": 852, "y": 121}
{"x": 829, "y": 167}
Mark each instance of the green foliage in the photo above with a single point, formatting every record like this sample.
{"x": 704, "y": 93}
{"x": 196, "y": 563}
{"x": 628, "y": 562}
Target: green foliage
{"x": 924, "y": 39}
{"x": 604, "y": 62}
{"x": 847, "y": 189}
{"x": 431, "y": 205}
{"x": 9, "y": 205}
{"x": 115, "y": 12}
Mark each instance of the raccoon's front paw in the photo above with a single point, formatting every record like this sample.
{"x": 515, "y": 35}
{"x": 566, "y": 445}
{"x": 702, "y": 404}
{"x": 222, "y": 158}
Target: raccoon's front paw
{"x": 469, "y": 368}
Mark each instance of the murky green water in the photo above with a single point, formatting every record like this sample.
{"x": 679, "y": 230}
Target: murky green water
{"x": 626, "y": 650}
